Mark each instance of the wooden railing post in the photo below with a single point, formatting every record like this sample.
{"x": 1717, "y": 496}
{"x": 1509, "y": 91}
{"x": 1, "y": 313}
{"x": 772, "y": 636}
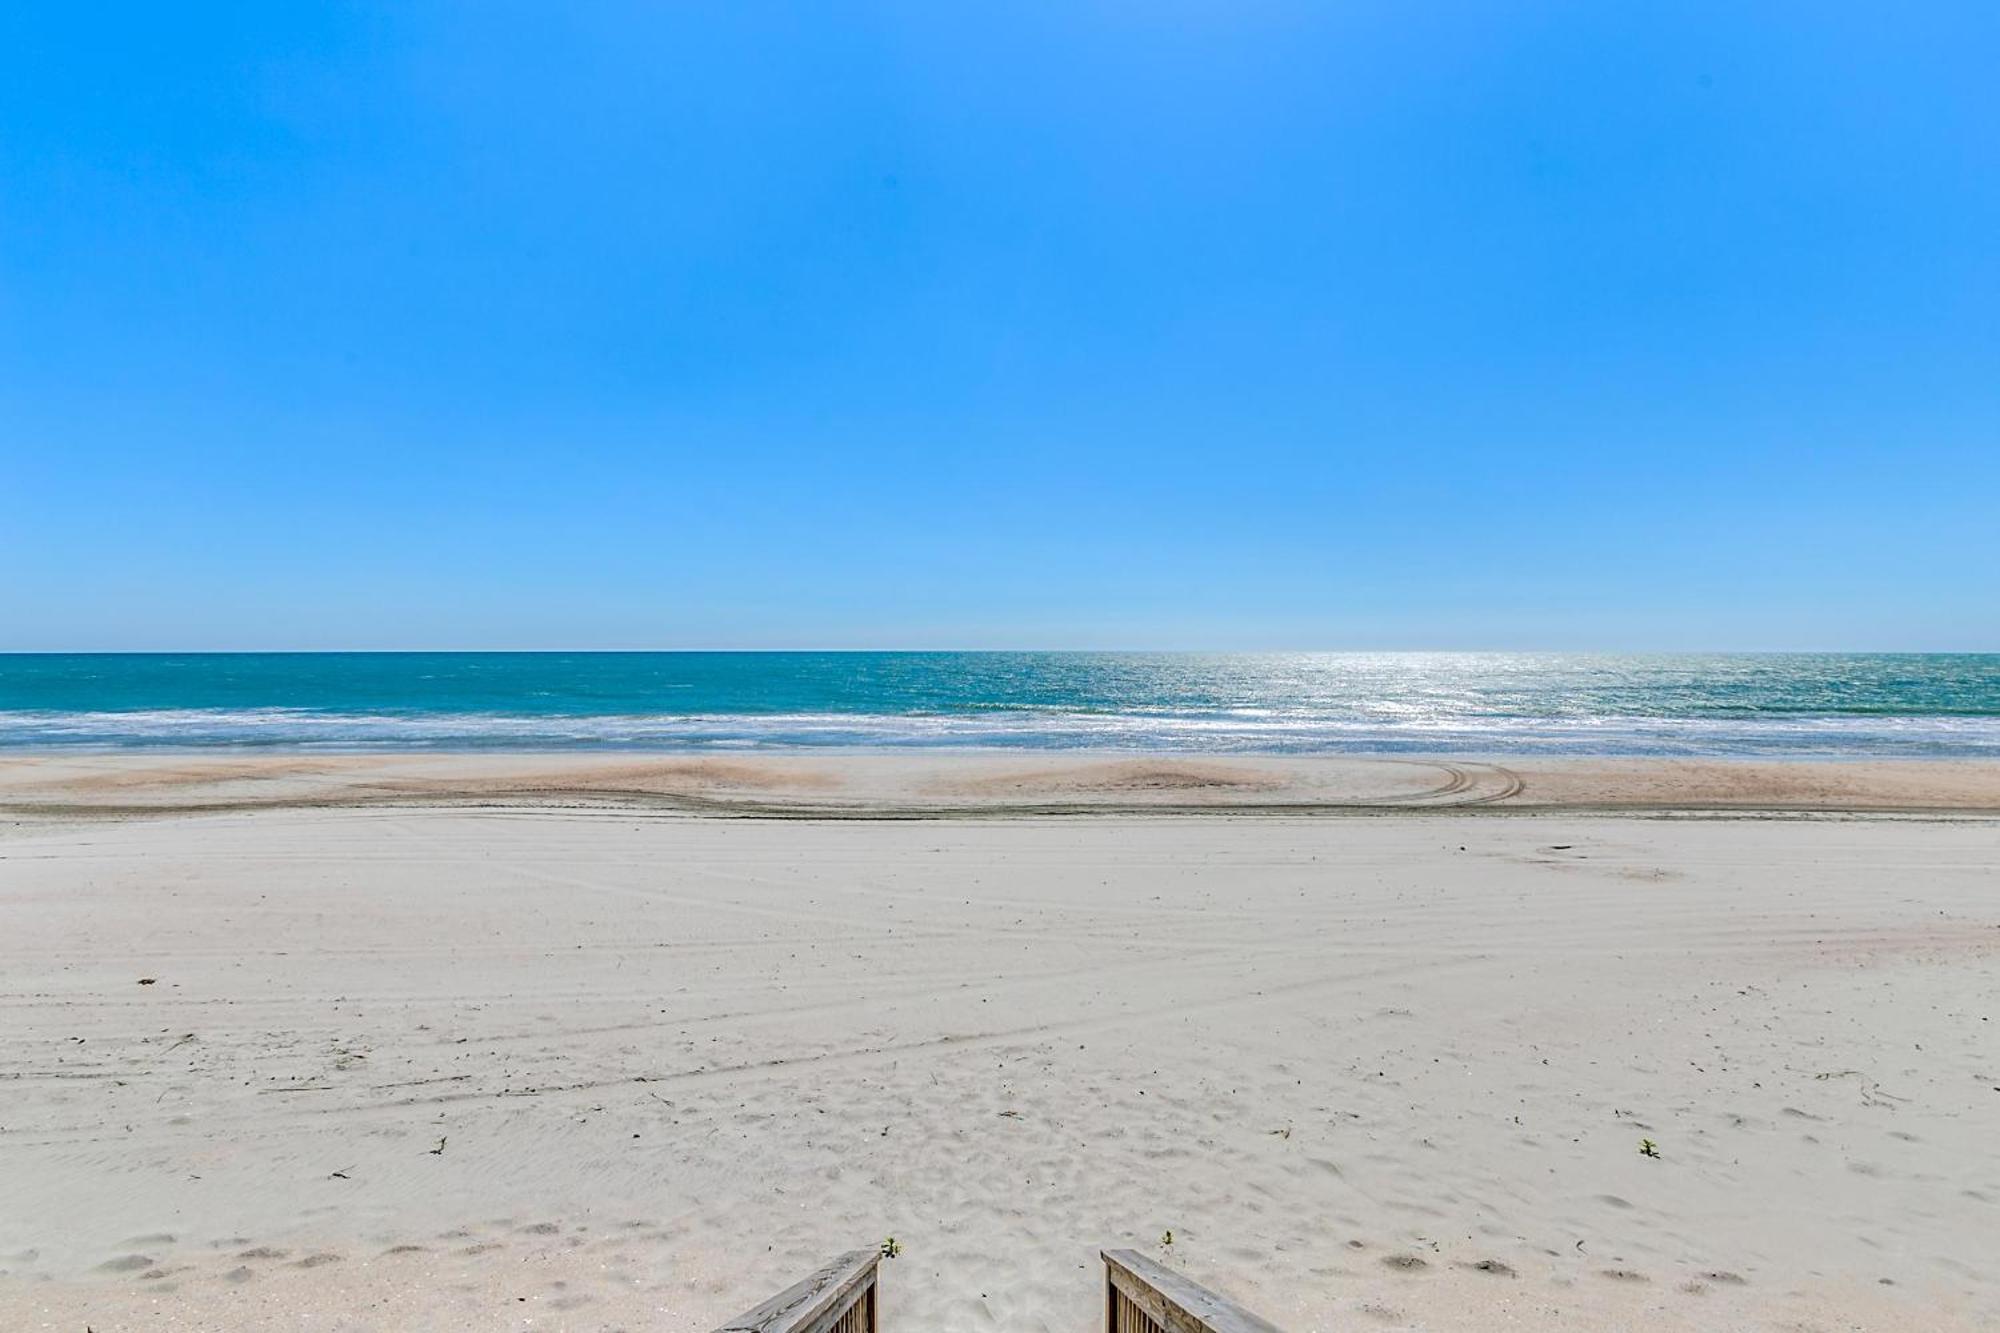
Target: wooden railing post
{"x": 839, "y": 1298}
{"x": 1142, "y": 1297}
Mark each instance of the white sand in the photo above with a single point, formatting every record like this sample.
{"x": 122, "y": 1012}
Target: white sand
{"x": 675, "y": 1062}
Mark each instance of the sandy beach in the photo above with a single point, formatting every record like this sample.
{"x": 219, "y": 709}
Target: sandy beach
{"x": 630, "y": 1042}
{"x": 1342, "y": 661}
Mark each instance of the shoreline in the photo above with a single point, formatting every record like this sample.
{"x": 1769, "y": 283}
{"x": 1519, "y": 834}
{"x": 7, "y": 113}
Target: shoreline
{"x": 899, "y": 785}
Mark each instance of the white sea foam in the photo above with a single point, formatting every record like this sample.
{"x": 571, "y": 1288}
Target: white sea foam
{"x": 1293, "y": 730}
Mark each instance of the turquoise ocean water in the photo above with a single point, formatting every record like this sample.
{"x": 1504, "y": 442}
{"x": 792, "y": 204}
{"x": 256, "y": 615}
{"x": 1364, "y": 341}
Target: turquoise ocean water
{"x": 1805, "y": 705}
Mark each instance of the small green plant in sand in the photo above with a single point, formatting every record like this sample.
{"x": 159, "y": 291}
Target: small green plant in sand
{"x": 1167, "y": 1236}
{"x": 1648, "y": 1148}
{"x": 890, "y": 1248}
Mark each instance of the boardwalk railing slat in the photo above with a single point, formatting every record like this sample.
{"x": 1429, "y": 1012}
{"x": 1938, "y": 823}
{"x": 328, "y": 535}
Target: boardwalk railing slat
{"x": 839, "y": 1298}
{"x": 1140, "y": 1296}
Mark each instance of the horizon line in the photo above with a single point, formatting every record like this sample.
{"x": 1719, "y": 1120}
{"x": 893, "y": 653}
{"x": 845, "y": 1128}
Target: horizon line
{"x": 1000, "y": 652}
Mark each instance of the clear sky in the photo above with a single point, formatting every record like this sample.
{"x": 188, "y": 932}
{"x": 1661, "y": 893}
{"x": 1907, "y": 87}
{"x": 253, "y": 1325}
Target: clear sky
{"x": 1105, "y": 324}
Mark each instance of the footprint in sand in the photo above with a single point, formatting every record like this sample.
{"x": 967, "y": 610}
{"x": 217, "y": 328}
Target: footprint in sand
{"x": 125, "y": 1263}
{"x": 1491, "y": 1266}
{"x": 1405, "y": 1263}
{"x": 1624, "y": 1275}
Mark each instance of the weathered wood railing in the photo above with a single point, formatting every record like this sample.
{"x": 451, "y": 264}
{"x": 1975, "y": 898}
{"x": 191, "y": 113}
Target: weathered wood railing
{"x": 1142, "y": 1297}
{"x": 839, "y": 1298}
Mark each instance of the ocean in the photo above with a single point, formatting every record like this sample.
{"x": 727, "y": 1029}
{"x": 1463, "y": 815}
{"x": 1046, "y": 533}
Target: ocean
{"x": 1802, "y": 705}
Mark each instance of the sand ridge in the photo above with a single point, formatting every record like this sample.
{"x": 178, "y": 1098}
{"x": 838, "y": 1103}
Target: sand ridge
{"x": 662, "y": 777}
{"x": 878, "y": 785}
{"x": 1117, "y": 776}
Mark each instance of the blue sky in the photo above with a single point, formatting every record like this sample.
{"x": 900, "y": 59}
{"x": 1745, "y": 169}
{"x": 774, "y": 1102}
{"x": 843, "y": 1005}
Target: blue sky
{"x": 1079, "y": 324}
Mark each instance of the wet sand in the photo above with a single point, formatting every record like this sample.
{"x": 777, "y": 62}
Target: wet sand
{"x": 988, "y": 784}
